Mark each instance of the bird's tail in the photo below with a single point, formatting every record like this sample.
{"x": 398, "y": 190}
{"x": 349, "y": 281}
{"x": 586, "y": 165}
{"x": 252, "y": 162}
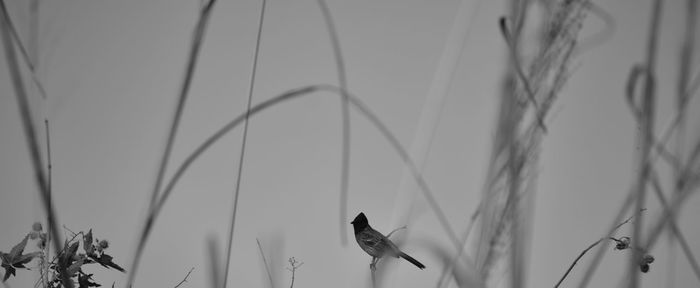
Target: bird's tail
{"x": 413, "y": 261}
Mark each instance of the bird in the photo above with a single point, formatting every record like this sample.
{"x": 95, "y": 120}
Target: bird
{"x": 376, "y": 244}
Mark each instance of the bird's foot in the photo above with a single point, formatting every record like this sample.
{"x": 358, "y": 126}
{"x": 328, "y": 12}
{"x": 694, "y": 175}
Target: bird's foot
{"x": 373, "y": 264}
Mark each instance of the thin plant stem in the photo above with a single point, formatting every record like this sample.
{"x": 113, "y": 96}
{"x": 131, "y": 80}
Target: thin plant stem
{"x": 29, "y": 131}
{"x": 674, "y": 227}
{"x": 221, "y": 132}
{"x": 195, "y": 45}
{"x": 267, "y": 268}
{"x": 646, "y": 138}
{"x": 49, "y": 169}
{"x": 214, "y": 263}
{"x": 507, "y": 35}
{"x": 295, "y": 265}
{"x": 590, "y": 270}
{"x": 646, "y": 159}
{"x": 343, "y": 83}
{"x": 679, "y": 198}
{"x": 184, "y": 279}
{"x": 571, "y": 267}
{"x": 682, "y": 97}
{"x": 22, "y": 49}
{"x": 244, "y": 141}
{"x": 392, "y": 231}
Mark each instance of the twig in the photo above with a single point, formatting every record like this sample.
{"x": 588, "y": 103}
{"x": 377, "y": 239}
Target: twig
{"x": 244, "y": 141}
{"x": 185, "y": 279}
{"x": 197, "y": 39}
{"x": 295, "y": 265}
{"x": 397, "y": 229}
{"x": 28, "y": 128}
{"x": 343, "y": 83}
{"x": 589, "y": 248}
{"x": 267, "y": 268}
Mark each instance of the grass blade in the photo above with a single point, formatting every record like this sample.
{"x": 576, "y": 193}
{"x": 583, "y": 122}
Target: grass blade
{"x": 29, "y": 131}
{"x": 197, "y": 39}
{"x": 345, "y": 158}
{"x": 251, "y": 88}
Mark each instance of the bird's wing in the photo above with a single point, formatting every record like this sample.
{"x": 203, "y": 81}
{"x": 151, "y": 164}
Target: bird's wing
{"x": 377, "y": 242}
{"x": 371, "y": 239}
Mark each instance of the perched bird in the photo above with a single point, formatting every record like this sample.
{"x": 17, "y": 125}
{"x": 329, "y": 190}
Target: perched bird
{"x": 376, "y": 244}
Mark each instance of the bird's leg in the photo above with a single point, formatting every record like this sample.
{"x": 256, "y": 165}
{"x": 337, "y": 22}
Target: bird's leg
{"x": 373, "y": 264}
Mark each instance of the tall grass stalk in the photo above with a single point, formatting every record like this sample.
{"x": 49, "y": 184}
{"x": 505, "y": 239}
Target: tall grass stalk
{"x": 241, "y": 158}
{"x": 530, "y": 87}
{"x": 646, "y": 121}
{"x": 22, "y": 49}
{"x": 676, "y": 232}
{"x": 345, "y": 157}
{"x": 433, "y": 105}
{"x": 267, "y": 268}
{"x": 195, "y": 45}
{"x": 49, "y": 171}
{"x": 215, "y": 278}
{"x": 685, "y": 60}
{"x": 29, "y": 131}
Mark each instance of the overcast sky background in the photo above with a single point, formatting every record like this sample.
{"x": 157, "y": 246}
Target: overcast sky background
{"x": 112, "y": 70}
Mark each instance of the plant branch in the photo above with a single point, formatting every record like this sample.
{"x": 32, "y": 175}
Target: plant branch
{"x": 294, "y": 264}
{"x": 571, "y": 267}
{"x": 185, "y": 279}
{"x": 397, "y": 229}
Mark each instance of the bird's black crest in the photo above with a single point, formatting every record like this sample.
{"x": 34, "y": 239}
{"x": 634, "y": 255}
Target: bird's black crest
{"x": 360, "y": 222}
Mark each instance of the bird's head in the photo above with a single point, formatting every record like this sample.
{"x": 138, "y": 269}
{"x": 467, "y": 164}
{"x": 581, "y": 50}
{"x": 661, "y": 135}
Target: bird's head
{"x": 360, "y": 222}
